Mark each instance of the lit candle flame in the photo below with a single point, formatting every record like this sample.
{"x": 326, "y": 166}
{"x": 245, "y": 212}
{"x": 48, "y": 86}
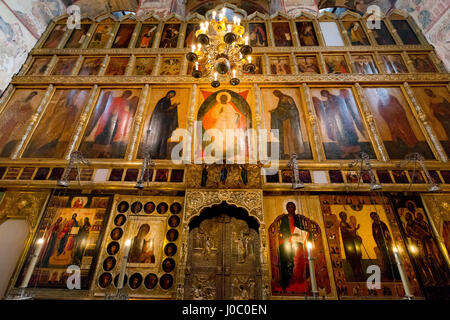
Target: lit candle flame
{"x": 214, "y": 14}
{"x": 128, "y": 243}
{"x": 246, "y": 40}
{"x": 249, "y": 59}
{"x": 234, "y": 73}
{"x": 215, "y": 76}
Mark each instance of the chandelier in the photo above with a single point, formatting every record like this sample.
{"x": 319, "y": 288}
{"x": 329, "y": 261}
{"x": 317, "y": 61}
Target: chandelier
{"x": 221, "y": 50}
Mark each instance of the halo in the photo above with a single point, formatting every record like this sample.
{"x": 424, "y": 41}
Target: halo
{"x": 410, "y": 201}
{"x": 221, "y": 94}
{"x": 295, "y": 201}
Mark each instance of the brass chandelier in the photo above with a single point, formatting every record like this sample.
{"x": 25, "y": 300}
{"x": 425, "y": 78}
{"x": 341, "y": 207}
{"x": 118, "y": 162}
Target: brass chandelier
{"x": 221, "y": 50}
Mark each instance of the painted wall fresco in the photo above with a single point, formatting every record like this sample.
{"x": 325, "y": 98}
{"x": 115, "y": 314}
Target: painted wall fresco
{"x": 72, "y": 228}
{"x": 361, "y": 231}
{"x": 291, "y": 222}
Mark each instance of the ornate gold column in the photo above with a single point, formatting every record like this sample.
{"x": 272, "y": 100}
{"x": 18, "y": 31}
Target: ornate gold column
{"x": 190, "y": 123}
{"x": 83, "y": 119}
{"x": 102, "y": 70}
{"x": 311, "y": 116}
{"x": 77, "y": 66}
{"x": 157, "y": 65}
{"x": 424, "y": 119}
{"x": 130, "y": 65}
{"x": 134, "y": 36}
{"x": 138, "y": 121}
{"x": 89, "y": 35}
{"x": 112, "y": 36}
{"x": 380, "y": 149}
{"x": 51, "y": 64}
{"x": 33, "y": 122}
{"x": 158, "y": 35}
{"x": 259, "y": 116}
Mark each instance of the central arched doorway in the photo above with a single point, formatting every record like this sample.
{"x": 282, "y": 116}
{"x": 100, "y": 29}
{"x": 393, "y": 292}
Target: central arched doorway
{"x": 224, "y": 255}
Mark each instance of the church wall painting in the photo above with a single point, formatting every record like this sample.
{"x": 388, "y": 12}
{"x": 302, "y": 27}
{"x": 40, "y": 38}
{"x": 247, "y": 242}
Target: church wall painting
{"x": 364, "y": 64}
{"x": 438, "y": 207}
{"x": 382, "y": 35}
{"x": 64, "y": 66}
{"x": 218, "y": 112}
{"x": 431, "y": 266}
{"x": 336, "y": 64}
{"x": 282, "y": 34}
{"x": 101, "y": 36}
{"x": 117, "y": 66}
{"x": 355, "y": 33}
{"x": 342, "y": 129}
{"x": 393, "y": 63}
{"x": 306, "y": 33}
{"x": 291, "y": 222}
{"x": 396, "y": 124}
{"x": 55, "y": 129}
{"x": 124, "y": 35}
{"x": 109, "y": 128}
{"x": 435, "y": 102}
{"x": 422, "y": 63}
{"x": 72, "y": 228}
{"x": 190, "y": 39}
{"x": 147, "y": 36}
{"x": 55, "y": 36}
{"x": 144, "y": 66}
{"x": 91, "y": 66}
{"x": 283, "y": 112}
{"x": 78, "y": 36}
{"x": 308, "y": 64}
{"x": 169, "y": 36}
{"x": 152, "y": 224}
{"x": 361, "y": 231}
{"x": 166, "y": 111}
{"x": 39, "y": 66}
{"x": 258, "y": 34}
{"x": 280, "y": 65}
{"x": 15, "y": 117}
{"x": 170, "y": 66}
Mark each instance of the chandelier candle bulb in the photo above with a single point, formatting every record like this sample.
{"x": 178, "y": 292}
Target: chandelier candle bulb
{"x": 246, "y": 40}
{"x": 312, "y": 270}
{"x": 123, "y": 267}
{"x": 403, "y": 276}
{"x": 34, "y": 259}
{"x": 214, "y": 13}
{"x": 215, "y": 76}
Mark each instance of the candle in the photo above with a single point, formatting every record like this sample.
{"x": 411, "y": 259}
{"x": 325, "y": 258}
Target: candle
{"x": 214, "y": 14}
{"x": 229, "y": 28}
{"x": 193, "y": 48}
{"x": 235, "y": 20}
{"x": 31, "y": 266}
{"x": 246, "y": 40}
{"x": 196, "y": 65}
{"x": 124, "y": 264}
{"x": 239, "y": 21}
{"x": 206, "y": 26}
{"x": 249, "y": 59}
{"x": 234, "y": 73}
{"x": 312, "y": 272}
{"x": 215, "y": 76}
{"x": 199, "y": 47}
{"x": 224, "y": 10}
{"x": 403, "y": 275}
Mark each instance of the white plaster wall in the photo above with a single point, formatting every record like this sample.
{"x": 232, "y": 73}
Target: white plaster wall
{"x": 13, "y": 234}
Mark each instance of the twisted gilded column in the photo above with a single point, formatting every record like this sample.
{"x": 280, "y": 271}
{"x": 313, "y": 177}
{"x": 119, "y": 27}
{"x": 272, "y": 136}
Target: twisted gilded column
{"x": 424, "y": 119}
{"x": 188, "y": 154}
{"x": 33, "y": 122}
{"x": 313, "y": 121}
{"x": 139, "y": 118}
{"x": 371, "y": 123}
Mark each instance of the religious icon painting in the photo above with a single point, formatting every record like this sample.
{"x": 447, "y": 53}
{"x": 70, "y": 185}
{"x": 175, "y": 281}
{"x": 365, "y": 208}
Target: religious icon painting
{"x": 258, "y": 62}
{"x": 422, "y": 246}
{"x": 190, "y": 39}
{"x": 15, "y": 117}
{"x": 282, "y": 34}
{"x": 393, "y": 63}
{"x": 364, "y": 64}
{"x": 280, "y": 65}
{"x": 39, "y": 66}
{"x": 170, "y": 66}
{"x": 136, "y": 207}
{"x": 169, "y": 37}
{"x": 120, "y": 220}
{"x": 117, "y": 66}
{"x": 78, "y": 37}
{"x": 382, "y": 34}
{"x": 64, "y": 66}
{"x": 162, "y": 208}
{"x": 101, "y": 36}
{"x": 166, "y": 281}
{"x": 172, "y": 234}
{"x": 167, "y": 112}
{"x": 91, "y": 66}
{"x": 135, "y": 281}
{"x": 150, "y": 281}
{"x": 22, "y": 205}
{"x": 308, "y": 64}
{"x": 355, "y": 33}
{"x": 218, "y": 112}
{"x": 168, "y": 264}
{"x": 71, "y": 235}
{"x": 396, "y": 123}
{"x": 147, "y": 36}
{"x": 110, "y": 124}
{"x": 283, "y": 114}
{"x": 422, "y": 63}
{"x": 336, "y": 64}
{"x": 344, "y": 135}
{"x": 144, "y": 66}
{"x": 435, "y": 102}
{"x": 54, "y": 132}
{"x": 291, "y": 224}
{"x": 175, "y": 208}
{"x": 113, "y": 248}
{"x": 257, "y": 34}
{"x": 149, "y": 207}
{"x": 306, "y": 33}
{"x": 405, "y": 32}
{"x": 124, "y": 35}
{"x": 361, "y": 232}
{"x": 55, "y": 37}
